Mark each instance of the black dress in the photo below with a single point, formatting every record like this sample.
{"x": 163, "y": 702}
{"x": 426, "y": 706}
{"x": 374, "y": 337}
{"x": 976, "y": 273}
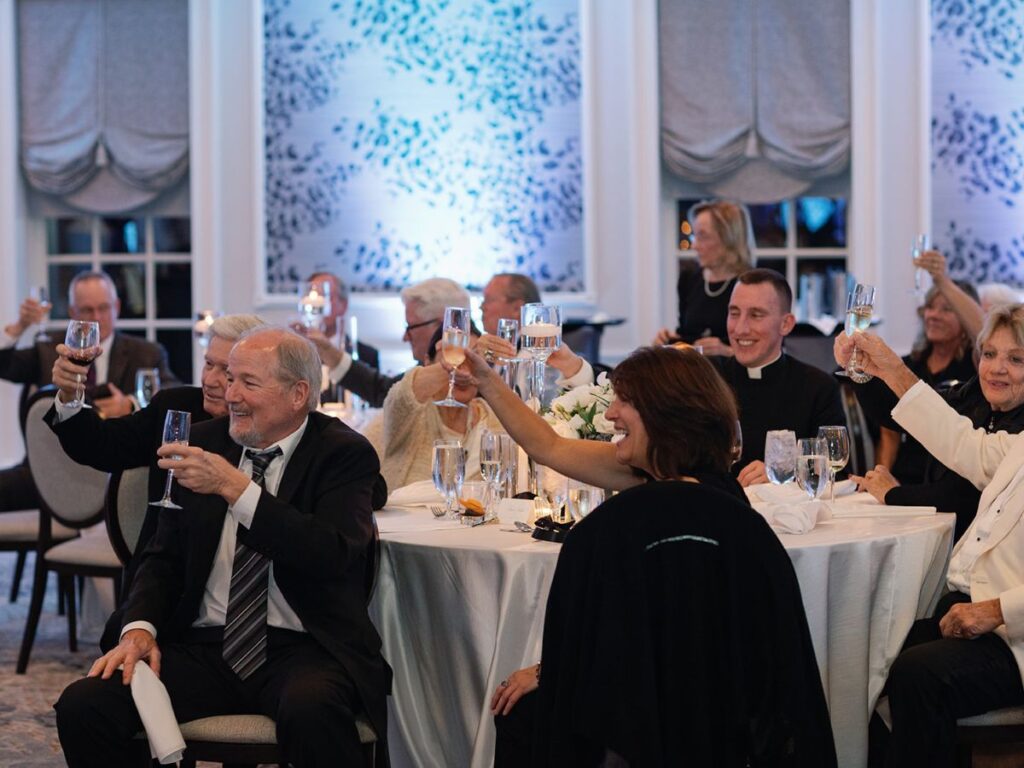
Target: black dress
{"x": 701, "y": 315}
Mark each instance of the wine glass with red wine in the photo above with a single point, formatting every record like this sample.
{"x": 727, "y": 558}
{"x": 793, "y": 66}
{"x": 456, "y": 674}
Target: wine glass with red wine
{"x": 83, "y": 343}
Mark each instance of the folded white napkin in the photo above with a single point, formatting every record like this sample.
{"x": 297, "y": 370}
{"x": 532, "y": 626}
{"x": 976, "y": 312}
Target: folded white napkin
{"x": 416, "y": 494}
{"x": 154, "y": 706}
{"x": 795, "y": 518}
{"x": 790, "y": 492}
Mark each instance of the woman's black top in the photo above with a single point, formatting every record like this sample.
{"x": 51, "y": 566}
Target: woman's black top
{"x": 701, "y": 315}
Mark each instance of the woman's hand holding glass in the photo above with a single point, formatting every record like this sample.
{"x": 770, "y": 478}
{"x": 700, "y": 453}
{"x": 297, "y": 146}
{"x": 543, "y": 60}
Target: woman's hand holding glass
{"x": 454, "y": 342}
{"x": 876, "y": 358}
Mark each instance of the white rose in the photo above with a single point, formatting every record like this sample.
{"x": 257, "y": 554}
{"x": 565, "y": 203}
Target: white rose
{"x": 577, "y": 423}
{"x": 602, "y": 425}
{"x": 562, "y": 429}
{"x": 602, "y": 379}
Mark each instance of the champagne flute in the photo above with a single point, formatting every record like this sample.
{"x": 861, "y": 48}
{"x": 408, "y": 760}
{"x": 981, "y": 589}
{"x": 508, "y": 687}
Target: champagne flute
{"x": 859, "y": 306}
{"x": 449, "y": 470}
{"x": 737, "y": 444}
{"x": 812, "y": 466}
{"x": 42, "y": 295}
{"x": 919, "y": 246}
{"x": 176, "y": 429}
{"x": 83, "y": 342}
{"x": 509, "y": 452}
{"x": 508, "y": 329}
{"x": 490, "y": 468}
{"x": 837, "y": 441}
{"x": 780, "y": 455}
{"x": 553, "y": 489}
{"x": 147, "y": 384}
{"x": 454, "y": 340}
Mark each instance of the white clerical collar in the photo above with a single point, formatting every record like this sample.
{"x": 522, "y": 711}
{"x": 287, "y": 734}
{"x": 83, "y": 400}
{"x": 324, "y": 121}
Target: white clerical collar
{"x": 755, "y": 372}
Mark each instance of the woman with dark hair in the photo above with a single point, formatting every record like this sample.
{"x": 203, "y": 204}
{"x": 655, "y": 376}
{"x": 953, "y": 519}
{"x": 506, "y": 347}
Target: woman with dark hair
{"x": 942, "y": 358}
{"x": 724, "y": 242}
{"x": 676, "y": 418}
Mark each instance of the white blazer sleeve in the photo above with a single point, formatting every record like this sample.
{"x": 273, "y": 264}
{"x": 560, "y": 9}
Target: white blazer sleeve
{"x": 950, "y": 437}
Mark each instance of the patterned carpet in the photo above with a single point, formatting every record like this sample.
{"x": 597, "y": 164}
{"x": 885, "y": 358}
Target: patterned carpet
{"x": 28, "y": 734}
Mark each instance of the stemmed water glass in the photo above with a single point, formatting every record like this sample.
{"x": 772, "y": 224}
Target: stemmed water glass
{"x": 837, "y": 443}
{"x": 780, "y": 455}
{"x": 83, "y": 342}
{"x": 147, "y": 384}
{"x": 919, "y": 246}
{"x": 812, "y": 466}
{"x": 176, "y": 429}
{"x": 509, "y": 453}
{"x": 454, "y": 340}
{"x": 508, "y": 329}
{"x": 540, "y": 331}
{"x": 449, "y": 471}
{"x": 583, "y": 499}
{"x": 490, "y": 468}
{"x": 859, "y": 306}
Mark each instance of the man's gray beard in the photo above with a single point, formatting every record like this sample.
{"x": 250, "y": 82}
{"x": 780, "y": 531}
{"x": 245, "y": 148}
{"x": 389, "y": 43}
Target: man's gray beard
{"x": 250, "y": 439}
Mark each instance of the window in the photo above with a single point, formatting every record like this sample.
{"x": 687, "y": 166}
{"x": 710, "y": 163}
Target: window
{"x": 803, "y": 238}
{"x": 150, "y": 261}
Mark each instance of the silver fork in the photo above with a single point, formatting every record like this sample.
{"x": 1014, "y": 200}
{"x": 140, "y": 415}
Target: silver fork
{"x": 437, "y": 511}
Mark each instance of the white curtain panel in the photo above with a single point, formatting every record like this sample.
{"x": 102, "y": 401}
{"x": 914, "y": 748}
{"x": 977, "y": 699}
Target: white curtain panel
{"x": 755, "y": 94}
{"x": 103, "y": 98}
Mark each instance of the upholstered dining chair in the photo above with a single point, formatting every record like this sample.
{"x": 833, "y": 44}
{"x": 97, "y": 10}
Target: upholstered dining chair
{"x": 1000, "y": 726}
{"x": 125, "y": 510}
{"x": 73, "y": 496}
{"x": 19, "y": 533}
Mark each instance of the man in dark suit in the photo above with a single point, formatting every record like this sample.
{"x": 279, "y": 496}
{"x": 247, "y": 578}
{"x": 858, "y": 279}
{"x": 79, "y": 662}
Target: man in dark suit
{"x": 256, "y": 587}
{"x": 334, "y": 321}
{"x": 91, "y": 296}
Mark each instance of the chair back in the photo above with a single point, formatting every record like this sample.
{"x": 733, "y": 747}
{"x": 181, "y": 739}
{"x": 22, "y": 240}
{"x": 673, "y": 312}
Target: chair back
{"x": 862, "y": 445}
{"x": 73, "y": 494}
{"x": 127, "y": 503}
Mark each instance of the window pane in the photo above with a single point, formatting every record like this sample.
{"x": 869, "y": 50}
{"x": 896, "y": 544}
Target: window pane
{"x": 684, "y": 228}
{"x": 130, "y": 280}
{"x": 821, "y": 288}
{"x": 174, "y": 296}
{"x": 179, "y": 352}
{"x": 172, "y": 235}
{"x": 122, "y": 235}
{"x": 68, "y": 235}
{"x": 60, "y": 276}
{"x": 769, "y": 224}
{"x": 821, "y": 222}
{"x": 772, "y": 262}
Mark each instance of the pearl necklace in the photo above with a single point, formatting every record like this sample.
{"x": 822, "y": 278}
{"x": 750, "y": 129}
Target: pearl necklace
{"x": 714, "y": 294}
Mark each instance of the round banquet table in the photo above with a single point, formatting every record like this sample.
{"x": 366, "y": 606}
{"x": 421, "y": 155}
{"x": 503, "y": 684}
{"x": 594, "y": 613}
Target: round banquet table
{"x": 460, "y": 608}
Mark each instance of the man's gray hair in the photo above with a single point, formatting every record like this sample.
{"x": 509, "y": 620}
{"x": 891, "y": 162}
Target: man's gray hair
{"x": 297, "y": 360}
{"x": 428, "y": 299}
{"x": 233, "y": 327}
{"x": 520, "y": 288}
{"x": 81, "y": 277}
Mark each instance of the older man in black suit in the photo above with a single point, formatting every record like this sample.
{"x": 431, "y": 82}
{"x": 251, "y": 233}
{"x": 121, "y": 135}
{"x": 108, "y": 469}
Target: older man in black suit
{"x": 256, "y": 587}
{"x": 91, "y": 296}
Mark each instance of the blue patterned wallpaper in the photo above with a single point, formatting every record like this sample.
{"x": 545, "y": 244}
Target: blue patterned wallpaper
{"x": 412, "y": 138}
{"x": 978, "y": 138}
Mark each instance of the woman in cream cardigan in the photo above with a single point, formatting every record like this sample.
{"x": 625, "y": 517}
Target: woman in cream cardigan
{"x": 969, "y": 657}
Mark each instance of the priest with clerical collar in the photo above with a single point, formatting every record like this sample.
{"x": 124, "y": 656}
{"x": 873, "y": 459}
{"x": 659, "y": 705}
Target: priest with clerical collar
{"x": 773, "y": 390}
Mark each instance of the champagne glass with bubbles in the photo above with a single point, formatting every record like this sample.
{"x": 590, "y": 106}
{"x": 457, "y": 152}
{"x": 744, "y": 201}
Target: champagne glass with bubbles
{"x": 837, "y": 443}
{"x": 780, "y": 455}
{"x": 860, "y": 304}
{"x": 449, "y": 471}
{"x": 812, "y": 466}
{"x": 176, "y": 429}
{"x": 454, "y": 340}
{"x": 83, "y": 342}
{"x": 41, "y": 294}
{"x": 490, "y": 467}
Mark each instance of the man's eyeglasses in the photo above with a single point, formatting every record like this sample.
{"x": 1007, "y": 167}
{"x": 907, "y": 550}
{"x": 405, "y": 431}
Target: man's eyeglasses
{"x": 414, "y": 326}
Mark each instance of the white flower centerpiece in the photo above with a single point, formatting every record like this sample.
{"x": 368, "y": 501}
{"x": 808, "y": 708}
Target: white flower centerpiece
{"x": 579, "y": 412}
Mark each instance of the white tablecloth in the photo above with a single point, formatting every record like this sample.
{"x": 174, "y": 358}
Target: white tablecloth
{"x": 460, "y": 609}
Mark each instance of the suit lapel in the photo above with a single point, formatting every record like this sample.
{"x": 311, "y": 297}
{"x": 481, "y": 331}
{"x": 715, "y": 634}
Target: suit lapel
{"x": 304, "y": 454}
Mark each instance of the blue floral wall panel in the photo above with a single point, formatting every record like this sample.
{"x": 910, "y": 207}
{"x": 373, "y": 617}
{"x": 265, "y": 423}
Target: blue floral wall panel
{"x": 408, "y": 139}
{"x": 978, "y": 138}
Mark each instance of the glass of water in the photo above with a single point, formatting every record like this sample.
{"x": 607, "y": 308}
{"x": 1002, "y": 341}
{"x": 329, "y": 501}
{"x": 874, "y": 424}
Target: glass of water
{"x": 583, "y": 499}
{"x": 147, "y": 384}
{"x": 780, "y": 455}
{"x": 812, "y": 467}
{"x": 449, "y": 471}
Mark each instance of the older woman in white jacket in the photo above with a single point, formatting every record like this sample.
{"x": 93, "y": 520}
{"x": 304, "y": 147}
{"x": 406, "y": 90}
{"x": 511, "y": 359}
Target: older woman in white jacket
{"x": 969, "y": 657}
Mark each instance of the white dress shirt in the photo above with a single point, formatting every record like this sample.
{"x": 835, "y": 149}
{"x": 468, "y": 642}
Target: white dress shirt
{"x": 213, "y": 609}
